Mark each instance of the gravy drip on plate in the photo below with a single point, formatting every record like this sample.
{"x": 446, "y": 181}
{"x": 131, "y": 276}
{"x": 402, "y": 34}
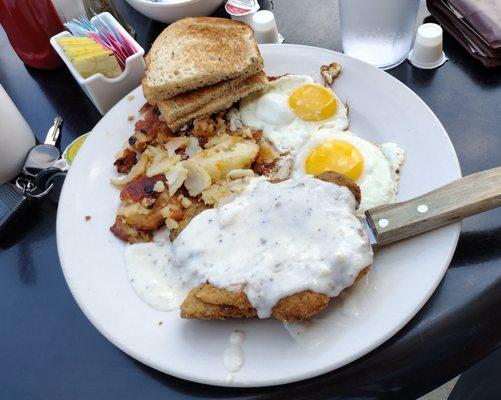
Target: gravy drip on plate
{"x": 151, "y": 278}
{"x": 233, "y": 356}
{"x": 272, "y": 241}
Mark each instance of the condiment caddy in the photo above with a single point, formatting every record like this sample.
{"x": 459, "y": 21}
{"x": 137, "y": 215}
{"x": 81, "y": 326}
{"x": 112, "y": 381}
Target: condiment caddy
{"x": 106, "y": 92}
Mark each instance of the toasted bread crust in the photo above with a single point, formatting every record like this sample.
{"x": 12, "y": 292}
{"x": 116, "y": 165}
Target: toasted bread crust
{"x": 224, "y": 100}
{"x": 196, "y": 52}
{"x": 185, "y": 103}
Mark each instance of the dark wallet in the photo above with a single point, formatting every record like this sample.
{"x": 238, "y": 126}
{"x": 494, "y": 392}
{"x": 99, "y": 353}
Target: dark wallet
{"x": 476, "y": 24}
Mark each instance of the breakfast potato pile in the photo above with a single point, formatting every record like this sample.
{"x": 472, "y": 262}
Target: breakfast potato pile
{"x": 167, "y": 178}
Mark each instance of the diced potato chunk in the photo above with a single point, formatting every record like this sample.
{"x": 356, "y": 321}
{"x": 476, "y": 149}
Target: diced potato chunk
{"x": 176, "y": 177}
{"x": 198, "y": 179}
{"x": 216, "y": 192}
{"x": 162, "y": 162}
{"x": 128, "y": 209}
{"x": 225, "y": 153}
{"x": 137, "y": 170}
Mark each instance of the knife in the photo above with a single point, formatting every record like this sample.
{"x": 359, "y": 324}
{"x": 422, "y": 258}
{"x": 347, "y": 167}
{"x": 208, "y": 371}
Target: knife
{"x": 459, "y": 199}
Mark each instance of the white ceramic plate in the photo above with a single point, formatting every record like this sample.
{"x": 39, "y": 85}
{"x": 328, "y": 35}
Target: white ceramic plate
{"x": 400, "y": 281}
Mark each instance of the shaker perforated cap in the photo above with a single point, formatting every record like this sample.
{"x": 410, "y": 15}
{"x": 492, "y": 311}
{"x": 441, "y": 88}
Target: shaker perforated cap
{"x": 427, "y": 52}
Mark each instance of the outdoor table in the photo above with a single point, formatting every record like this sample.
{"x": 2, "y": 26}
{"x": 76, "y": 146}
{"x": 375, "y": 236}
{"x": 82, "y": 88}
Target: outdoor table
{"x": 49, "y": 350}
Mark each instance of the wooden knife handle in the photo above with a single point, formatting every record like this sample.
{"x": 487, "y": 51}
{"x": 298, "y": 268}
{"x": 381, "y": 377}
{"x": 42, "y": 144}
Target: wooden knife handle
{"x": 459, "y": 199}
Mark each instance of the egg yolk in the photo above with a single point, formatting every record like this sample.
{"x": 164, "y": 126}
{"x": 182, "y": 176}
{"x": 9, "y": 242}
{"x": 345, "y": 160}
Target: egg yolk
{"x": 338, "y": 156}
{"x": 313, "y": 103}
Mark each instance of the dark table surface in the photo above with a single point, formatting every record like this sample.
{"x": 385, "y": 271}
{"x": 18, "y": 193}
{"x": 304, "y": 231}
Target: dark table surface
{"x": 49, "y": 350}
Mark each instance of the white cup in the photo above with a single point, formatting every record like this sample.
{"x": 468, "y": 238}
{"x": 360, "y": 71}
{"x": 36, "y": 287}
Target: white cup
{"x": 16, "y": 138}
{"x": 427, "y": 52}
{"x": 265, "y": 27}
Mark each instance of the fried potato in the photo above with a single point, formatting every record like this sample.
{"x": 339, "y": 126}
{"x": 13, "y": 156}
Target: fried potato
{"x": 225, "y": 153}
{"x": 330, "y": 72}
{"x": 152, "y": 219}
{"x": 129, "y": 234}
{"x": 195, "y": 208}
{"x": 126, "y": 161}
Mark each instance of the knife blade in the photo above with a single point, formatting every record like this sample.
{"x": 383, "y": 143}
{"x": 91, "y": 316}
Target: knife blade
{"x": 370, "y": 234}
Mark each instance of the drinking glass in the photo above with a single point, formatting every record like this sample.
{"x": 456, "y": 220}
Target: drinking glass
{"x": 379, "y": 32}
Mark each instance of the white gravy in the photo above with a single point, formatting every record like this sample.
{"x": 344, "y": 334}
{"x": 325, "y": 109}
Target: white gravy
{"x": 150, "y": 276}
{"x": 233, "y": 356}
{"x": 272, "y": 241}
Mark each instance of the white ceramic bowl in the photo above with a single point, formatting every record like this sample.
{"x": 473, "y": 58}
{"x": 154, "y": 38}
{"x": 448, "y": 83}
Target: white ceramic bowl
{"x": 172, "y": 10}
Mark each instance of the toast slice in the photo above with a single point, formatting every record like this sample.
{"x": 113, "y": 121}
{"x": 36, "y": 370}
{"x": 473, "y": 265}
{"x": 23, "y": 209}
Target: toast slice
{"x": 185, "y": 103}
{"x": 180, "y": 110}
{"x": 196, "y": 52}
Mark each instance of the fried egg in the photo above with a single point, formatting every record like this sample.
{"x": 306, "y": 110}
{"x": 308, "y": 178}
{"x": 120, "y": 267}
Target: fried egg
{"x": 373, "y": 167}
{"x": 292, "y": 109}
